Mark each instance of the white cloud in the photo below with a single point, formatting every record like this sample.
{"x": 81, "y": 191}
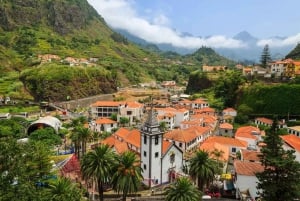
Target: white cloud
{"x": 121, "y": 14}
{"x": 277, "y": 42}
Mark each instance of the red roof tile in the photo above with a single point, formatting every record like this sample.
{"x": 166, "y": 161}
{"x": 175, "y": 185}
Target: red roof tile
{"x": 292, "y": 141}
{"x": 105, "y": 121}
{"x": 247, "y": 168}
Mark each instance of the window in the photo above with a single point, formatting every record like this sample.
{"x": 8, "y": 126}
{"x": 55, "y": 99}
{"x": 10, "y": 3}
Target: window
{"x": 145, "y": 167}
{"x": 156, "y": 140}
{"x": 145, "y": 153}
{"x": 129, "y": 112}
{"x": 172, "y": 157}
{"x": 156, "y": 154}
{"x": 233, "y": 149}
{"x": 145, "y": 139}
{"x": 180, "y": 145}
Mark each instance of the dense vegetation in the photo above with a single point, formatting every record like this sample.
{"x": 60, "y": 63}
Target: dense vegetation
{"x": 56, "y": 82}
{"x": 280, "y": 99}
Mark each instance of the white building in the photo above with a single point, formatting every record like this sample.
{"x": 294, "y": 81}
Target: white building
{"x": 295, "y": 130}
{"x": 180, "y": 114}
{"x": 252, "y": 135}
{"x": 161, "y": 161}
{"x": 103, "y": 125}
{"x": 245, "y": 179}
{"x": 131, "y": 110}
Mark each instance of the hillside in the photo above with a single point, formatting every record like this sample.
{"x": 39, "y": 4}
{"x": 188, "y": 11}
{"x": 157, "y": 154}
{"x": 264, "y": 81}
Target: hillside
{"x": 33, "y": 29}
{"x": 295, "y": 53}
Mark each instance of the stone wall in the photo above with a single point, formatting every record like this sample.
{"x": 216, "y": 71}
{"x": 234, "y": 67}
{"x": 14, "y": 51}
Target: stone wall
{"x": 84, "y": 102}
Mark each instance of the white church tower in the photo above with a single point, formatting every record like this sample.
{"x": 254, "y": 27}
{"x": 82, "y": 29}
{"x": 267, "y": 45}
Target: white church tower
{"x": 151, "y": 150}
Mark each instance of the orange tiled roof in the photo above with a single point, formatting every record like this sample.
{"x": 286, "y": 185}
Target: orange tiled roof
{"x": 122, "y": 132}
{"x": 229, "y": 110}
{"x": 105, "y": 121}
{"x": 120, "y": 147}
{"x": 227, "y": 141}
{"x": 199, "y": 101}
{"x": 226, "y": 126}
{"x": 292, "y": 141}
{"x": 265, "y": 120}
{"x": 134, "y": 104}
{"x": 106, "y": 104}
{"x": 203, "y": 110}
{"x": 180, "y": 135}
{"x": 211, "y": 147}
{"x": 247, "y": 132}
{"x": 247, "y": 168}
{"x": 110, "y": 141}
{"x": 134, "y": 138}
{"x": 200, "y": 130}
{"x": 169, "y": 114}
{"x": 167, "y": 109}
{"x": 165, "y": 146}
{"x": 250, "y": 155}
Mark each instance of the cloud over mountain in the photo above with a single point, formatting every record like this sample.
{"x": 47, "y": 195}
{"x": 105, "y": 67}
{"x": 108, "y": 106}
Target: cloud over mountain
{"x": 120, "y": 14}
{"x": 280, "y": 42}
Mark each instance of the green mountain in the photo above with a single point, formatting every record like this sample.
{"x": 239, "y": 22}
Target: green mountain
{"x": 295, "y": 53}
{"x": 31, "y": 29}
{"x": 207, "y": 56}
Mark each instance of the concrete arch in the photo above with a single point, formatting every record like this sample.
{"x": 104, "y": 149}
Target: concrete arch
{"x": 44, "y": 122}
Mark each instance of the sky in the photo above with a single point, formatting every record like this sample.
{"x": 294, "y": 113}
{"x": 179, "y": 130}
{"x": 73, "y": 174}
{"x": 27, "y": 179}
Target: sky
{"x": 212, "y": 23}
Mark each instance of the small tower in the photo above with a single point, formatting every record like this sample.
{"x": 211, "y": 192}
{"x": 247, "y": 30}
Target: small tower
{"x": 151, "y": 150}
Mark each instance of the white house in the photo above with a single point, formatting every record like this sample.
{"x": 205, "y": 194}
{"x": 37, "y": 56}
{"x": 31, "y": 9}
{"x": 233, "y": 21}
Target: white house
{"x": 229, "y": 112}
{"x": 250, "y": 134}
{"x": 278, "y": 68}
{"x": 180, "y": 114}
{"x": 226, "y": 129}
{"x": 103, "y": 125}
{"x": 131, "y": 110}
{"x": 245, "y": 180}
{"x": 169, "y": 119}
{"x": 193, "y": 104}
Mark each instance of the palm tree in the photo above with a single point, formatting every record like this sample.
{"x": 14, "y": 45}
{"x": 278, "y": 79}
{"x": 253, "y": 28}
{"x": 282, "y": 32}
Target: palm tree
{"x": 64, "y": 189}
{"x": 182, "y": 189}
{"x": 202, "y": 168}
{"x": 128, "y": 174}
{"x": 84, "y": 135}
{"x": 98, "y": 166}
{"x": 218, "y": 154}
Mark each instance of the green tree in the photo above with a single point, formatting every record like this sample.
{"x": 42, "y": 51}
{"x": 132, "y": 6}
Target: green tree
{"x": 84, "y": 135}
{"x": 128, "y": 174}
{"x": 265, "y": 57}
{"x": 64, "y": 189}
{"x": 280, "y": 179}
{"x": 46, "y": 135}
{"x": 124, "y": 121}
{"x": 202, "y": 168}
{"x": 182, "y": 189}
{"x": 198, "y": 81}
{"x": 98, "y": 166}
{"x": 227, "y": 87}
